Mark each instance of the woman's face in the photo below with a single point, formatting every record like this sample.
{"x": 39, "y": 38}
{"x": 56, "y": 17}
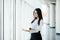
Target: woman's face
{"x": 35, "y": 14}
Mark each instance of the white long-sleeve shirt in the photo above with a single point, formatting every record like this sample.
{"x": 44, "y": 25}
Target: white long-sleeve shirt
{"x": 35, "y": 26}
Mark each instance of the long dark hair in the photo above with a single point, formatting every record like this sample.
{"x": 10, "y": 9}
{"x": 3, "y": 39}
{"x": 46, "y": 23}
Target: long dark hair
{"x": 39, "y": 12}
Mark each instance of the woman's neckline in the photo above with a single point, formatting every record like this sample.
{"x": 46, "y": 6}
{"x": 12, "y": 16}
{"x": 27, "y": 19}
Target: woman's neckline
{"x": 37, "y": 19}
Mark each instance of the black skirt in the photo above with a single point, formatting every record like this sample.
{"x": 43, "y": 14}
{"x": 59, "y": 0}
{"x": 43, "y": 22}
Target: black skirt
{"x": 36, "y": 36}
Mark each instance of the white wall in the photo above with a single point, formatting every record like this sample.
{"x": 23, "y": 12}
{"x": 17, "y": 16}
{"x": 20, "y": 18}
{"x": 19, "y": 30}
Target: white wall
{"x": 9, "y": 20}
{"x": 18, "y": 19}
{"x": 1, "y": 19}
{"x": 7, "y": 15}
{"x": 57, "y": 16}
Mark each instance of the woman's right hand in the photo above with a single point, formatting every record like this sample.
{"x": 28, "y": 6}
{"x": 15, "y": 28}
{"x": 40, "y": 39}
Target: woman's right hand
{"x": 26, "y": 30}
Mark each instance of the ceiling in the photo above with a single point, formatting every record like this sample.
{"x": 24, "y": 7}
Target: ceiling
{"x": 47, "y": 1}
{"x": 38, "y": 3}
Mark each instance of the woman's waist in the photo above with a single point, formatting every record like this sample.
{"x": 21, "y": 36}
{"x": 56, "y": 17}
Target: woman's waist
{"x": 34, "y": 32}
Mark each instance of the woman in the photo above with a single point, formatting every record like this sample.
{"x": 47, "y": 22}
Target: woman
{"x": 36, "y": 23}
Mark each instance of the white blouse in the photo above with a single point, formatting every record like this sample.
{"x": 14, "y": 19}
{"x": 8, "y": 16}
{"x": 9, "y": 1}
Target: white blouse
{"x": 35, "y": 26}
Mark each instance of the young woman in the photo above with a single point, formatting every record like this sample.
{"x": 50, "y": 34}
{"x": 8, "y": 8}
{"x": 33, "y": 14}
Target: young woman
{"x": 36, "y": 23}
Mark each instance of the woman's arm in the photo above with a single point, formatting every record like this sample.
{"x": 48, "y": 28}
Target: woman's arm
{"x": 26, "y": 30}
{"x": 41, "y": 24}
{"x": 30, "y": 29}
